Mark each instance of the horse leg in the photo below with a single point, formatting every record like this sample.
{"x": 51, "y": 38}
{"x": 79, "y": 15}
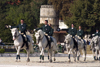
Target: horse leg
{"x": 42, "y": 54}
{"x": 93, "y": 51}
{"x": 28, "y": 53}
{"x": 78, "y": 54}
{"x": 69, "y": 55}
{"x": 18, "y": 55}
{"x": 96, "y": 53}
{"x": 54, "y": 56}
{"x": 74, "y": 55}
{"x": 84, "y": 53}
{"x": 50, "y": 54}
{"x": 99, "y": 55}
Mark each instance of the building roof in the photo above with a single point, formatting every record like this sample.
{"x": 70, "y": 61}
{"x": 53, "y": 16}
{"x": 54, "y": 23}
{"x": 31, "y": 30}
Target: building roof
{"x": 62, "y": 25}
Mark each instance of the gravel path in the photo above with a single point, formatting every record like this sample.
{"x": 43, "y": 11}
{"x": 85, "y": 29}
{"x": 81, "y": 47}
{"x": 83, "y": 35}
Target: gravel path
{"x": 60, "y": 62}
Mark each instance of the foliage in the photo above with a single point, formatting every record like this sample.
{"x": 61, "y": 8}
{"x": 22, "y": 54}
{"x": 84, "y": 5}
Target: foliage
{"x": 11, "y": 13}
{"x": 2, "y": 50}
{"x": 24, "y": 51}
{"x": 85, "y": 13}
{"x": 61, "y": 7}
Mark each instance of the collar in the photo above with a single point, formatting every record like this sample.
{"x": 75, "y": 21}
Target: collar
{"x": 79, "y": 29}
{"x": 45, "y": 25}
{"x": 72, "y": 28}
{"x": 96, "y": 32}
{"x": 22, "y": 24}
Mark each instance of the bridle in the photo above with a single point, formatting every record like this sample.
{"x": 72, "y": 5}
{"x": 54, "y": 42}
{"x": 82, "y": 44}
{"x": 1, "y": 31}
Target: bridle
{"x": 39, "y": 39}
{"x": 15, "y": 35}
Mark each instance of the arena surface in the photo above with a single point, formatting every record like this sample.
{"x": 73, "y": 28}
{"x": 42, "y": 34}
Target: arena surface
{"x": 60, "y": 62}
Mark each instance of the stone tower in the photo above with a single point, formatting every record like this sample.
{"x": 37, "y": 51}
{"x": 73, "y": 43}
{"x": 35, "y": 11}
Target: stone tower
{"x": 47, "y": 12}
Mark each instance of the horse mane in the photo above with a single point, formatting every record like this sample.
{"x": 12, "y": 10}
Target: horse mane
{"x": 14, "y": 29}
{"x": 40, "y": 32}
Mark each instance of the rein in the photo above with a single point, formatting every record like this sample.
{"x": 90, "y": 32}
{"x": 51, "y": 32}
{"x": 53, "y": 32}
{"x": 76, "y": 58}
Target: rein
{"x": 16, "y": 36}
{"x": 40, "y": 37}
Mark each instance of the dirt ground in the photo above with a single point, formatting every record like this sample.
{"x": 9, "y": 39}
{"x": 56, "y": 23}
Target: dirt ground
{"x": 60, "y": 62}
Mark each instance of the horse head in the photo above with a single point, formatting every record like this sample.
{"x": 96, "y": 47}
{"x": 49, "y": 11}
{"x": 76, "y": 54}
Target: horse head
{"x": 14, "y": 32}
{"x": 67, "y": 39}
{"x": 95, "y": 39}
{"x": 39, "y": 35}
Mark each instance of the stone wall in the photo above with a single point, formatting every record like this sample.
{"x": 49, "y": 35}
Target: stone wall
{"x": 47, "y": 12}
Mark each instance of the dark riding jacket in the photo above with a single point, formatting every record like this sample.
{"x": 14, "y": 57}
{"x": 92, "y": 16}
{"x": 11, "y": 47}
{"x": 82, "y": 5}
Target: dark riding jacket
{"x": 22, "y": 28}
{"x": 97, "y": 34}
{"x": 80, "y": 33}
{"x": 72, "y": 31}
{"x": 47, "y": 29}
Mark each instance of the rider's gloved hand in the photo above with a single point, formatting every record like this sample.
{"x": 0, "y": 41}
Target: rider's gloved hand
{"x": 20, "y": 32}
{"x": 8, "y": 26}
{"x": 45, "y": 33}
{"x": 34, "y": 29}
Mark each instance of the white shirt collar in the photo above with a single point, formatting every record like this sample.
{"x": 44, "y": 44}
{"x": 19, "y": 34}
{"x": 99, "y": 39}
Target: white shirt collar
{"x": 72, "y": 28}
{"x": 96, "y": 32}
{"x": 21, "y": 24}
{"x": 45, "y": 25}
{"x": 79, "y": 29}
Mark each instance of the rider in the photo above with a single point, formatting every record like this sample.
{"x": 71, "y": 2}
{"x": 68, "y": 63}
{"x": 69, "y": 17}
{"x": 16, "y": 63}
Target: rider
{"x": 22, "y": 29}
{"x": 72, "y": 31}
{"x": 48, "y": 31}
{"x": 80, "y": 33}
{"x": 97, "y": 33}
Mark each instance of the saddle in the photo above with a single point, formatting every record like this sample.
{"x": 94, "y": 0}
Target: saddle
{"x": 75, "y": 44}
{"x": 49, "y": 41}
{"x": 24, "y": 41}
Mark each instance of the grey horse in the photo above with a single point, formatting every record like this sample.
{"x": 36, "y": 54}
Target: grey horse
{"x": 95, "y": 46}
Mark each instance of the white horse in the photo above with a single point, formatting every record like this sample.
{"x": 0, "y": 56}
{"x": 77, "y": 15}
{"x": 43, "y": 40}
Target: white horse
{"x": 95, "y": 46}
{"x": 18, "y": 42}
{"x": 81, "y": 46}
{"x": 69, "y": 43}
{"x": 87, "y": 39}
{"x": 42, "y": 42}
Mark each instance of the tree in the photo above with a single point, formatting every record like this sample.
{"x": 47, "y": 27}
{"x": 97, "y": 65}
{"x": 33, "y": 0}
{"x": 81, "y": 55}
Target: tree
{"x": 61, "y": 7}
{"x": 85, "y": 13}
{"x": 12, "y": 11}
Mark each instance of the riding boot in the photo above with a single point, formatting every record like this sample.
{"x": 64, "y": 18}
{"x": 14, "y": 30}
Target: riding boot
{"x": 75, "y": 44}
{"x": 49, "y": 45}
{"x": 28, "y": 39}
{"x": 77, "y": 47}
{"x": 27, "y": 47}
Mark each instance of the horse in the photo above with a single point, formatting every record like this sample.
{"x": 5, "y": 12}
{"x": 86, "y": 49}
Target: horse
{"x": 18, "y": 42}
{"x": 87, "y": 39}
{"x": 95, "y": 46}
{"x": 69, "y": 43}
{"x": 42, "y": 42}
{"x": 82, "y": 45}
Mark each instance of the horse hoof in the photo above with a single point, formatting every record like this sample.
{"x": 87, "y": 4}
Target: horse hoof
{"x": 40, "y": 61}
{"x": 19, "y": 61}
{"x": 84, "y": 59}
{"x": 54, "y": 59}
{"x": 28, "y": 60}
{"x": 74, "y": 60}
{"x": 16, "y": 61}
{"x": 69, "y": 61}
{"x": 50, "y": 61}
